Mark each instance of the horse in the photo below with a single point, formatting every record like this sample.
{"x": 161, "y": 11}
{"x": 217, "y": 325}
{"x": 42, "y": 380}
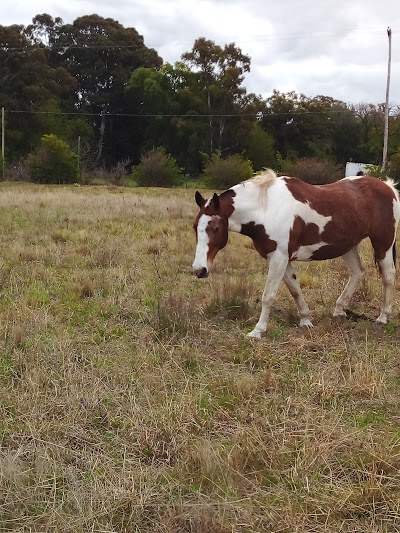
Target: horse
{"x": 290, "y": 220}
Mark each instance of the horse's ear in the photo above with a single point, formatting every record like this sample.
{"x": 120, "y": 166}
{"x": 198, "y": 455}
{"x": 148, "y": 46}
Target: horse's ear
{"x": 215, "y": 200}
{"x": 200, "y": 201}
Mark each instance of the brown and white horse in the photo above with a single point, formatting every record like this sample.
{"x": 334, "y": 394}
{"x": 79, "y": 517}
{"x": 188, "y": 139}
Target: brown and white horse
{"x": 290, "y": 220}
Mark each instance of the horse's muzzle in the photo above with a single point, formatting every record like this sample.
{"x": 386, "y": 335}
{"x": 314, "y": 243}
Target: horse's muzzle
{"x": 201, "y": 272}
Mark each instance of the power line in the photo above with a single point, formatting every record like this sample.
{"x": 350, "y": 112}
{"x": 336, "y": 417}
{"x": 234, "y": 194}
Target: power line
{"x": 182, "y": 115}
{"x": 276, "y": 37}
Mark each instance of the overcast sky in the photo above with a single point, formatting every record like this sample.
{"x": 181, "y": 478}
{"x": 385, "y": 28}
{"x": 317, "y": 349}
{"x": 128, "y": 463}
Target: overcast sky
{"x": 336, "y": 48}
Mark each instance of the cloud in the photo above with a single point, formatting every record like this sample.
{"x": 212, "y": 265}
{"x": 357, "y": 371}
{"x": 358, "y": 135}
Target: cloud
{"x": 336, "y": 48}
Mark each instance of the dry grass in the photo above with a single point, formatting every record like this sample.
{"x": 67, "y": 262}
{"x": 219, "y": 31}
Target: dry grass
{"x": 131, "y": 400}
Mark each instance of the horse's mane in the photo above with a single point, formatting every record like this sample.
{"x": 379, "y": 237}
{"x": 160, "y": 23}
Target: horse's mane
{"x": 265, "y": 179}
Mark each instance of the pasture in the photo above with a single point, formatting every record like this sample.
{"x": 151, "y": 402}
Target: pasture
{"x": 131, "y": 399}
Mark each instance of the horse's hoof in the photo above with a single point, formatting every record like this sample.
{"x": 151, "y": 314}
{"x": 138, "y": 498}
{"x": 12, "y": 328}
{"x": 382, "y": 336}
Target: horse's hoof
{"x": 341, "y": 317}
{"x": 255, "y": 334}
{"x": 305, "y": 323}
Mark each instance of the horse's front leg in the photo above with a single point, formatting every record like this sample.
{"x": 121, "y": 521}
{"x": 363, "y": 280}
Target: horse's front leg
{"x": 292, "y": 283}
{"x": 277, "y": 267}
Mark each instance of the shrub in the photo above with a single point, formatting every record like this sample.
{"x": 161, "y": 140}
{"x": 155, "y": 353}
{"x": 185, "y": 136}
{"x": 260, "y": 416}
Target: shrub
{"x": 394, "y": 166}
{"x": 17, "y": 171}
{"x": 157, "y": 169}
{"x": 52, "y": 162}
{"x": 222, "y": 173}
{"x": 313, "y": 171}
{"x": 392, "y": 169}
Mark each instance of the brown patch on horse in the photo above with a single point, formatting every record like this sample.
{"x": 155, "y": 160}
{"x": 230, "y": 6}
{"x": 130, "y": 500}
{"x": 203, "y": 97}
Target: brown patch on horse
{"x": 218, "y": 205}
{"x": 221, "y": 205}
{"x": 262, "y": 243}
{"x": 302, "y": 234}
{"x": 217, "y": 231}
{"x": 359, "y": 208}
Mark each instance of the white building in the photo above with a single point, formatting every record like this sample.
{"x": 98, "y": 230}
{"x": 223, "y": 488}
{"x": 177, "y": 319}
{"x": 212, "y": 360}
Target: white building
{"x": 352, "y": 169}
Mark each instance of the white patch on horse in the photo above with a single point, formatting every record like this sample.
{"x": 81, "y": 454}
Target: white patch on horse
{"x": 200, "y": 259}
{"x": 278, "y": 217}
{"x": 304, "y": 253}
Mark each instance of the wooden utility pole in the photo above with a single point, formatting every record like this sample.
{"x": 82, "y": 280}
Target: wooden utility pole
{"x": 3, "y": 162}
{"x": 386, "y": 131}
{"x": 79, "y": 156}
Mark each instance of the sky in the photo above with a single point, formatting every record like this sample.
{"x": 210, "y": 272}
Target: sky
{"x": 336, "y": 48}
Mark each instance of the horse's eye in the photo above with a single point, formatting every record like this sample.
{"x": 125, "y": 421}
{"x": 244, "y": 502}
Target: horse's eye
{"x": 215, "y": 230}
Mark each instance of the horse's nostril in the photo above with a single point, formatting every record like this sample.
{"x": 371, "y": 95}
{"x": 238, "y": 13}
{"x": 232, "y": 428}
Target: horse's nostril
{"x": 202, "y": 273}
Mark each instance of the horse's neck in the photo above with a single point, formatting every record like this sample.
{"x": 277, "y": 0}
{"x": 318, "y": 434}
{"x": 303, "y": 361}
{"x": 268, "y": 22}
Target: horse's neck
{"x": 246, "y": 204}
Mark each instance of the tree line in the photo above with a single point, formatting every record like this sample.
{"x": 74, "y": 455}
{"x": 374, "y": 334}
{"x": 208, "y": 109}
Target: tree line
{"x": 95, "y": 85}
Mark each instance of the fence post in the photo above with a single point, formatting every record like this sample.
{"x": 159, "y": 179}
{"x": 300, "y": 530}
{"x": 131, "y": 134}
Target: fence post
{"x": 3, "y": 162}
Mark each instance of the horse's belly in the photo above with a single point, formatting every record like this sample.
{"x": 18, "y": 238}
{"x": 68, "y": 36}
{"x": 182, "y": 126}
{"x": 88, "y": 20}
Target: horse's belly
{"x": 307, "y": 252}
{"x": 321, "y": 251}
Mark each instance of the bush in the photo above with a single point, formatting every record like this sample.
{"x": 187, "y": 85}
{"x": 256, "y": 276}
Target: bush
{"x": 222, "y": 173}
{"x": 375, "y": 171}
{"x": 52, "y": 162}
{"x": 394, "y": 167}
{"x": 313, "y": 171}
{"x": 17, "y": 171}
{"x": 157, "y": 169}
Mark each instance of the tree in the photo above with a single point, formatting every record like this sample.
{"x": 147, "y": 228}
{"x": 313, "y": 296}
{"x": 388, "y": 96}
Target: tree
{"x": 170, "y": 102}
{"x": 319, "y": 127}
{"x": 28, "y": 86}
{"x": 220, "y": 74}
{"x": 260, "y": 148}
{"x": 101, "y": 55}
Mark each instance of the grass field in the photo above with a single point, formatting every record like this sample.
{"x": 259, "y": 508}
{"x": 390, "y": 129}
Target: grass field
{"x": 132, "y": 401}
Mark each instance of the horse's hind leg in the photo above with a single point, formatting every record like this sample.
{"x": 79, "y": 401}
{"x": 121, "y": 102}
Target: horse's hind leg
{"x": 293, "y": 285}
{"x": 387, "y": 269}
{"x": 356, "y": 273}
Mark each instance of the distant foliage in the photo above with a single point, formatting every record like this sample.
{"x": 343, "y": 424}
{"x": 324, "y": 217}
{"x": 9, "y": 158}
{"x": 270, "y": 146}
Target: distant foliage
{"x": 314, "y": 171}
{"x": 222, "y": 173}
{"x": 375, "y": 171}
{"x": 261, "y": 148}
{"x": 157, "y": 169}
{"x": 52, "y": 162}
{"x": 394, "y": 167}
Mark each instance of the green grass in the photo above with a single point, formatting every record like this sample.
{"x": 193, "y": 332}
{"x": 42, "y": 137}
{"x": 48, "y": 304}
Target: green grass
{"x": 132, "y": 401}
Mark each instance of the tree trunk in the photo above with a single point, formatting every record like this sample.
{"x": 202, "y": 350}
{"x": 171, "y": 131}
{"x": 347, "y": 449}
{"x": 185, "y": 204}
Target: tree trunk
{"x": 101, "y": 140}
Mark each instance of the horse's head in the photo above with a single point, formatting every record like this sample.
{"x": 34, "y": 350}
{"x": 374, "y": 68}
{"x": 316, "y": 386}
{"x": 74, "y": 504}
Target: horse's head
{"x": 211, "y": 228}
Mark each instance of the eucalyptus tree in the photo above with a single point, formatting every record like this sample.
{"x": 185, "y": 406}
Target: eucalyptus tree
{"x": 100, "y": 54}
{"x": 220, "y": 72}
{"x": 320, "y": 127}
{"x": 29, "y": 89}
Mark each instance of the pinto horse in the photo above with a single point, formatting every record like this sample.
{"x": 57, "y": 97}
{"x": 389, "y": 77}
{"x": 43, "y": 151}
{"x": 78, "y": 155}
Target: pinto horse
{"x": 290, "y": 220}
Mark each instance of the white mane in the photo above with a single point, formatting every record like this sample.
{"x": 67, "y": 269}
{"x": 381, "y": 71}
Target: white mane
{"x": 264, "y": 179}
